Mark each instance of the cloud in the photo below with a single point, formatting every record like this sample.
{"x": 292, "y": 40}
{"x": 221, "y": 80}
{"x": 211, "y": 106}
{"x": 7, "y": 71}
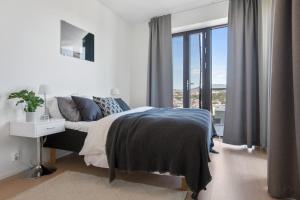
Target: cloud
{"x": 219, "y": 76}
{"x": 195, "y": 72}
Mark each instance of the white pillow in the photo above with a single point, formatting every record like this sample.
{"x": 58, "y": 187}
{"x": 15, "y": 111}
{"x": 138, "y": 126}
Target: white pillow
{"x": 53, "y": 109}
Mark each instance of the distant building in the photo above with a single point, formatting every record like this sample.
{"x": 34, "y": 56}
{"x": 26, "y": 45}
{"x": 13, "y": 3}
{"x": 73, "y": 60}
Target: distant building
{"x": 219, "y": 114}
{"x": 218, "y": 86}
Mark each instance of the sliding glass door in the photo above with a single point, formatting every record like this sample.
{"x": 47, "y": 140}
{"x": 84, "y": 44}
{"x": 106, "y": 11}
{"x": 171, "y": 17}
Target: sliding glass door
{"x": 199, "y": 70}
{"x": 191, "y": 71}
{"x": 219, "y": 73}
{"x": 178, "y": 69}
{"x": 194, "y": 76}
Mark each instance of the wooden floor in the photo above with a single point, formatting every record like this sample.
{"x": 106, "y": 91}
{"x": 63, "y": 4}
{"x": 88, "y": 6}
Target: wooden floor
{"x": 237, "y": 175}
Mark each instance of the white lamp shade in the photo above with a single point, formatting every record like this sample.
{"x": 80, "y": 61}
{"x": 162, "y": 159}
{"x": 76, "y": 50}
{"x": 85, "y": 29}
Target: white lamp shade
{"x": 114, "y": 92}
{"x": 44, "y": 89}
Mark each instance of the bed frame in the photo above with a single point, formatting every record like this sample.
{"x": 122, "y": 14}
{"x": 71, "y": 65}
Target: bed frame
{"x": 62, "y": 141}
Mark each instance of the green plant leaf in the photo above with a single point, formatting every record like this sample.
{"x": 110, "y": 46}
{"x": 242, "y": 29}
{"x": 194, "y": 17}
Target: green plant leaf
{"x": 32, "y": 101}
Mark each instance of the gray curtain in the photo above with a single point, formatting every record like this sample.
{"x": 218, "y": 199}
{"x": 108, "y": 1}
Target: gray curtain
{"x": 160, "y": 76}
{"x": 242, "y": 99}
{"x": 284, "y": 150}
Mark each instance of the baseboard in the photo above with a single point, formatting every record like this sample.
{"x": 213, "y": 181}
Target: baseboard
{"x": 14, "y": 172}
{"x": 61, "y": 153}
{"x": 23, "y": 167}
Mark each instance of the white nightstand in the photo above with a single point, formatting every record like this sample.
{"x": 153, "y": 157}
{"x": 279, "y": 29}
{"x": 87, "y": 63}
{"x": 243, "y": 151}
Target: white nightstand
{"x": 37, "y": 130}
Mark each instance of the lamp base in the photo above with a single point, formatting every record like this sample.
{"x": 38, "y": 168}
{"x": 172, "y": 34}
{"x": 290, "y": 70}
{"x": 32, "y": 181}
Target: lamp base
{"x": 39, "y": 171}
{"x": 45, "y": 117}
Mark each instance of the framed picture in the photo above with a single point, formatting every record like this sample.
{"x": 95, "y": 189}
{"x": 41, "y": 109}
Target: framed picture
{"x": 76, "y": 42}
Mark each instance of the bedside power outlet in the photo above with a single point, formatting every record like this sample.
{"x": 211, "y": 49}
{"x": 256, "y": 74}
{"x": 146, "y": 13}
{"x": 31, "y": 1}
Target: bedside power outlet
{"x": 15, "y": 156}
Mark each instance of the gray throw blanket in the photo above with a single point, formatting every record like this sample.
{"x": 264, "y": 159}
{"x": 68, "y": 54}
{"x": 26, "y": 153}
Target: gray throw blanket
{"x": 162, "y": 140}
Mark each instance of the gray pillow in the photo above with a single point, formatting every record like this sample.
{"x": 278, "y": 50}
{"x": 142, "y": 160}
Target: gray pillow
{"x": 108, "y": 105}
{"x": 123, "y": 105}
{"x": 88, "y": 109}
{"x": 68, "y": 109}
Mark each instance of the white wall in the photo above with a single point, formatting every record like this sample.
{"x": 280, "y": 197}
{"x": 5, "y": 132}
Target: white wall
{"x": 139, "y": 67}
{"x": 210, "y": 15}
{"x": 29, "y": 56}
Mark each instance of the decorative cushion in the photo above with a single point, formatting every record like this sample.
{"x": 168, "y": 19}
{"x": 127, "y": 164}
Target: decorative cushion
{"x": 124, "y": 106}
{"x": 68, "y": 109}
{"x": 53, "y": 109}
{"x": 88, "y": 109}
{"x": 108, "y": 105}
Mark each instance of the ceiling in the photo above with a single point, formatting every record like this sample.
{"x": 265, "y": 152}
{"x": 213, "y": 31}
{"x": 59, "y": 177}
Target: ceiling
{"x": 140, "y": 10}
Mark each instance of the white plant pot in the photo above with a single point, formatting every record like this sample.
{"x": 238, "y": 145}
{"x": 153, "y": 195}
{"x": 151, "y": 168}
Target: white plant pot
{"x": 30, "y": 116}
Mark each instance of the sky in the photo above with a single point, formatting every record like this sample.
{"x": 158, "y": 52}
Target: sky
{"x": 219, "y": 58}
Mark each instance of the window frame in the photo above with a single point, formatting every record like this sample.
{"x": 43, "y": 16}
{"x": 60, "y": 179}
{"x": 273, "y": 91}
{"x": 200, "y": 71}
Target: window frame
{"x": 205, "y": 92}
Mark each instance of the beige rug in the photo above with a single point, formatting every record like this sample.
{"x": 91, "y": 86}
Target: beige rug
{"x": 78, "y": 186}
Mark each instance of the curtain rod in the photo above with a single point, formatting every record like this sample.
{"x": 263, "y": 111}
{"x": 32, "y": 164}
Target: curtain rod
{"x": 215, "y": 2}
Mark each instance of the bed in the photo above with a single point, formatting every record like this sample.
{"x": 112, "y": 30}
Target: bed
{"x": 164, "y": 140}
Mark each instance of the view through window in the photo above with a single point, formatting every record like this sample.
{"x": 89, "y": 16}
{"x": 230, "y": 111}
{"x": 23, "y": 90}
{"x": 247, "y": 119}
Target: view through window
{"x": 195, "y": 69}
{"x": 218, "y": 76}
{"x": 188, "y": 67}
{"x": 178, "y": 71}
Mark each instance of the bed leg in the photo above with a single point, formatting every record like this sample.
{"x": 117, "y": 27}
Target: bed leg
{"x": 184, "y": 185}
{"x": 52, "y": 156}
{"x": 195, "y": 196}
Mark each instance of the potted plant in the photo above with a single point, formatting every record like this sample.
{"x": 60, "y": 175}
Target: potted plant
{"x": 32, "y": 102}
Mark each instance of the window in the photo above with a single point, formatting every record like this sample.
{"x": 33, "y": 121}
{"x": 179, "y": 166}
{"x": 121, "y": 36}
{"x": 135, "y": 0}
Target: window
{"x": 199, "y": 71}
{"x": 219, "y": 71}
{"x": 195, "y": 41}
{"x": 178, "y": 71}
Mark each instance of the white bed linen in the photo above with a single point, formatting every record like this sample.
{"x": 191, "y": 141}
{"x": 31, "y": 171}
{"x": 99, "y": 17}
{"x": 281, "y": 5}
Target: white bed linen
{"x": 94, "y": 145}
{"x": 79, "y": 126}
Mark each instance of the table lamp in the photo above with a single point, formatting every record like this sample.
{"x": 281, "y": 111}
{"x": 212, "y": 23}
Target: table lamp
{"x": 44, "y": 90}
